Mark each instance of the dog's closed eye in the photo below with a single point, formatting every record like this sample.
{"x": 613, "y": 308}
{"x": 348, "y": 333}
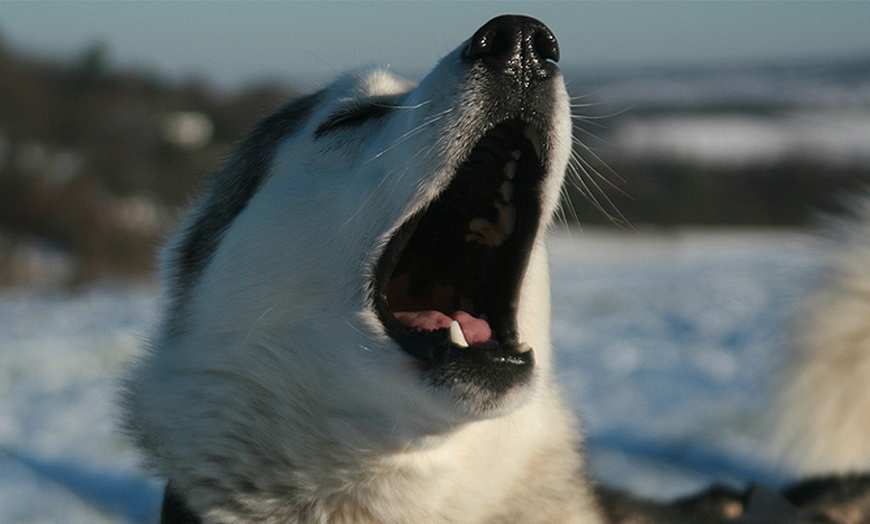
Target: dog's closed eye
{"x": 354, "y": 115}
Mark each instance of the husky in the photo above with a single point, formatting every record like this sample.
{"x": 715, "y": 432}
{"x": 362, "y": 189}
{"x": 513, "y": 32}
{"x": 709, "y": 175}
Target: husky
{"x": 357, "y": 324}
{"x": 823, "y": 422}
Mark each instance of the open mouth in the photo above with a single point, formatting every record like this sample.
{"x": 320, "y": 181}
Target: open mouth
{"x": 447, "y": 286}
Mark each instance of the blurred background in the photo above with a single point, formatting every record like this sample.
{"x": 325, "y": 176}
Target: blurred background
{"x": 745, "y": 117}
{"x": 689, "y": 113}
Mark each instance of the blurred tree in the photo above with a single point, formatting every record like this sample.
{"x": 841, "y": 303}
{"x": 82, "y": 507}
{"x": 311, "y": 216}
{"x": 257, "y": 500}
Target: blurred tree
{"x": 92, "y": 65}
{"x": 103, "y": 128}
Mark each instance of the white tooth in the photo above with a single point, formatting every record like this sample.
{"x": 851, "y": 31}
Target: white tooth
{"x": 523, "y": 348}
{"x": 530, "y": 133}
{"x": 480, "y": 226}
{"x": 456, "y": 335}
{"x": 517, "y": 153}
{"x": 507, "y": 220}
{"x": 492, "y": 235}
{"x": 510, "y": 170}
{"x": 507, "y": 191}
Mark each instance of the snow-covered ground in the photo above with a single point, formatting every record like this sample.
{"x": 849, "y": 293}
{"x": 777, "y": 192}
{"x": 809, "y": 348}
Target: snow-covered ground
{"x": 668, "y": 347}
{"x": 61, "y": 456}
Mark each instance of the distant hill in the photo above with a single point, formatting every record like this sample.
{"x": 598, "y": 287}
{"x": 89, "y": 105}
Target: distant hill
{"x": 95, "y": 162}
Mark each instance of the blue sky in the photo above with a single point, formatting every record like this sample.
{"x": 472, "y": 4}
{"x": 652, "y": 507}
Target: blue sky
{"x": 238, "y": 42}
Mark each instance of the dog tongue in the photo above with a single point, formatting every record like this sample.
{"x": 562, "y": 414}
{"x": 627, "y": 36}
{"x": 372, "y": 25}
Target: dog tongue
{"x": 475, "y": 330}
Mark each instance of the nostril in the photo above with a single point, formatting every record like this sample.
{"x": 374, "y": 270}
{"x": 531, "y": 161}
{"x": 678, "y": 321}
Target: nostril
{"x": 491, "y": 41}
{"x": 545, "y": 45}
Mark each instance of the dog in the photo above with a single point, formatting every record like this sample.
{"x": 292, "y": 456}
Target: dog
{"x": 356, "y": 327}
{"x": 357, "y": 324}
{"x": 823, "y": 409}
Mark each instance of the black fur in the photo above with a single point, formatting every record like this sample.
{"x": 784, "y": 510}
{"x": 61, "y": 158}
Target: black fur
{"x": 175, "y": 511}
{"x": 229, "y": 191}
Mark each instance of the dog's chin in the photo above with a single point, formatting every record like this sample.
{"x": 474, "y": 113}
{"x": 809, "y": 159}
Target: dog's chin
{"x": 473, "y": 389}
{"x": 447, "y": 286}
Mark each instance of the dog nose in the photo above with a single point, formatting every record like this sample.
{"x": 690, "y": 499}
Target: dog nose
{"x": 511, "y": 43}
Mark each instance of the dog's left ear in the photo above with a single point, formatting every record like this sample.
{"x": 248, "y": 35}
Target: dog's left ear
{"x": 174, "y": 510}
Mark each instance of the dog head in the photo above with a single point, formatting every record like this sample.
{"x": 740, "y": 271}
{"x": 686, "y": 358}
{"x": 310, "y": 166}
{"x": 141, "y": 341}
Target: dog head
{"x": 374, "y": 249}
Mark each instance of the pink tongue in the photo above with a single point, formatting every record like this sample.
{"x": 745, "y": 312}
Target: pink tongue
{"x": 475, "y": 330}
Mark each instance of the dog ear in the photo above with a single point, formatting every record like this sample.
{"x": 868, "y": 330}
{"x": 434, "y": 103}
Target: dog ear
{"x": 174, "y": 510}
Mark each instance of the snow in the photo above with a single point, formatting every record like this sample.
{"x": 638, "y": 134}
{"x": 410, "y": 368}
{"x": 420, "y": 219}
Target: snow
{"x": 833, "y": 137}
{"x": 668, "y": 345}
{"x": 733, "y": 117}
{"x": 61, "y": 456}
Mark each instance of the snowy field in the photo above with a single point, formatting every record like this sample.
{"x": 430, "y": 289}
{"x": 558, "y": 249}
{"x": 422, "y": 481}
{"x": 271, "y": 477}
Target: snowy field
{"x": 733, "y": 118}
{"x": 668, "y": 346}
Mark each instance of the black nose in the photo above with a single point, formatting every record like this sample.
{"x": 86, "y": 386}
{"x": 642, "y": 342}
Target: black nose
{"x": 513, "y": 42}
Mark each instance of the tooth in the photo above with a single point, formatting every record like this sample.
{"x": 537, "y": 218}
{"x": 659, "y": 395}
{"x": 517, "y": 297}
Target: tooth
{"x": 507, "y": 219}
{"x": 456, "y": 335}
{"x": 517, "y": 153}
{"x": 480, "y": 226}
{"x": 530, "y": 133}
{"x": 523, "y": 348}
{"x": 491, "y": 235}
{"x": 507, "y": 191}
{"x": 494, "y": 235}
{"x": 510, "y": 170}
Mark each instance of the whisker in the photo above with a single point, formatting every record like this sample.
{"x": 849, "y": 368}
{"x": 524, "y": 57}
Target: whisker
{"x": 397, "y": 179}
{"x": 584, "y": 178}
{"x": 597, "y": 117}
{"x": 256, "y": 323}
{"x": 601, "y": 161}
{"x": 565, "y": 208}
{"x": 431, "y": 120}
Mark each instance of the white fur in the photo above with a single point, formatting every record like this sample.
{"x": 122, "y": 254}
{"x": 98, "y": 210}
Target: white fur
{"x": 283, "y": 400}
{"x": 824, "y": 408}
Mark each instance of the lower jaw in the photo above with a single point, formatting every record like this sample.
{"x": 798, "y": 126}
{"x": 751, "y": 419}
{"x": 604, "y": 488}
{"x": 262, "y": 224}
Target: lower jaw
{"x": 481, "y": 391}
{"x": 485, "y": 379}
